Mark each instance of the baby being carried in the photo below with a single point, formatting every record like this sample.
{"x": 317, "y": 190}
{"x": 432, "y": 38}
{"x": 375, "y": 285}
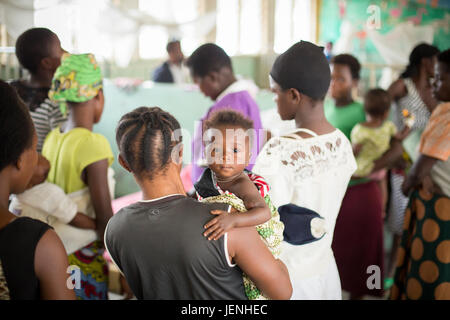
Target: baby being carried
{"x": 47, "y": 202}
{"x": 228, "y": 152}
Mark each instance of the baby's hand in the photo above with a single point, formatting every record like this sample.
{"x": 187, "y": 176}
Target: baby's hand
{"x": 219, "y": 225}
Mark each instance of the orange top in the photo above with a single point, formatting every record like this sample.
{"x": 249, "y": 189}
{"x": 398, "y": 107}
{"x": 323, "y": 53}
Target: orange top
{"x": 435, "y": 139}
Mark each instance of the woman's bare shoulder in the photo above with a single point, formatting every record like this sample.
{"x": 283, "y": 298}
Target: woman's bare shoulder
{"x": 397, "y": 89}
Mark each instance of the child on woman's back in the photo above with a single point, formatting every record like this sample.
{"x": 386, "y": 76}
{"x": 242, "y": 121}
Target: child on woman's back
{"x": 227, "y": 181}
{"x": 372, "y": 137}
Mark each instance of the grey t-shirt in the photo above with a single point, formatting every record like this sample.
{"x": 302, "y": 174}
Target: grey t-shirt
{"x": 160, "y": 248}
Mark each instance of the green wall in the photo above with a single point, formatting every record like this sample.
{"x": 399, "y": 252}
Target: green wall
{"x": 356, "y": 12}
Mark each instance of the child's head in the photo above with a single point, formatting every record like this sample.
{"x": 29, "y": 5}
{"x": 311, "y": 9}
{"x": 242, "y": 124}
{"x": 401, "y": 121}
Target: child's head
{"x": 211, "y": 69}
{"x": 377, "y": 103}
{"x": 78, "y": 82}
{"x": 40, "y": 172}
{"x": 441, "y": 87}
{"x": 147, "y": 139}
{"x": 299, "y": 75}
{"x": 39, "y": 50}
{"x": 18, "y": 139}
{"x": 228, "y": 145}
{"x": 423, "y": 55}
{"x": 344, "y": 75}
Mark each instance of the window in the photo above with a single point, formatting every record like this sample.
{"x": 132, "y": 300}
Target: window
{"x": 239, "y": 26}
{"x": 73, "y": 23}
{"x": 250, "y": 36}
{"x": 292, "y": 23}
{"x": 227, "y": 31}
{"x": 153, "y": 38}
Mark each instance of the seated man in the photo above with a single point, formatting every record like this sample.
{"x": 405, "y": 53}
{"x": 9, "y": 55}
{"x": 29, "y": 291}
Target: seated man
{"x": 173, "y": 70}
{"x": 158, "y": 243}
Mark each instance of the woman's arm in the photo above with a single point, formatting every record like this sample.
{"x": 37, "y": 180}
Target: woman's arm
{"x": 97, "y": 181}
{"x": 397, "y": 90}
{"x": 83, "y": 221}
{"x": 270, "y": 275}
{"x": 50, "y": 265}
{"x": 421, "y": 168}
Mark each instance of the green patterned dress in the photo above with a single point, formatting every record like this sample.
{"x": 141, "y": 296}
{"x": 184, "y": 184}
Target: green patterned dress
{"x": 271, "y": 231}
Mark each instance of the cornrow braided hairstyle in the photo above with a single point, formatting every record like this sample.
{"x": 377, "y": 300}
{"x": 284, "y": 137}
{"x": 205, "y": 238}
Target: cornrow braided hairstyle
{"x": 145, "y": 137}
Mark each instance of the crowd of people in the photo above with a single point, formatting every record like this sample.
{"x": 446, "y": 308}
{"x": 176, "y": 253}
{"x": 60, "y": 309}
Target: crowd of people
{"x": 292, "y": 216}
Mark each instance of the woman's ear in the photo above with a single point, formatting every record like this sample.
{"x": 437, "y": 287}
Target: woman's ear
{"x": 177, "y": 154}
{"x": 19, "y": 163}
{"x": 213, "y": 76}
{"x": 295, "y": 96}
{"x": 99, "y": 105}
{"x": 123, "y": 163}
{"x": 47, "y": 63}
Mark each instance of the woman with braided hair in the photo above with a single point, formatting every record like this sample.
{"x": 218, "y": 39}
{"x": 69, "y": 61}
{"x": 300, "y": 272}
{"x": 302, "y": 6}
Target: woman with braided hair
{"x": 80, "y": 160}
{"x": 158, "y": 242}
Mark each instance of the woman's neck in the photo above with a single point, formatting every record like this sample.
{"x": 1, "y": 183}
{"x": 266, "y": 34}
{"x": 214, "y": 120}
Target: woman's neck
{"x": 314, "y": 119}
{"x": 161, "y": 186}
{"x": 230, "y": 79}
{"x": 39, "y": 80}
{"x": 345, "y": 101}
{"x": 421, "y": 78}
{"x": 80, "y": 117}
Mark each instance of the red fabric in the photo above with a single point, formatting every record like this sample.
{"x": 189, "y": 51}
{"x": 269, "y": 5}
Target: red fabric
{"x": 358, "y": 238}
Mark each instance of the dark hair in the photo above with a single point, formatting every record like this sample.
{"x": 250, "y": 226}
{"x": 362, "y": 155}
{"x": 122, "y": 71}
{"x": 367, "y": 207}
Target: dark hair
{"x": 171, "y": 43}
{"x": 144, "y": 137}
{"x": 349, "y": 61}
{"x": 206, "y": 58}
{"x": 303, "y": 67}
{"x": 228, "y": 117}
{"x": 32, "y": 46}
{"x": 444, "y": 57}
{"x": 16, "y": 126}
{"x": 419, "y": 52}
{"x": 377, "y": 102}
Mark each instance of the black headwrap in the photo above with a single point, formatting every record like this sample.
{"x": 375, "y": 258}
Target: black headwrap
{"x": 303, "y": 67}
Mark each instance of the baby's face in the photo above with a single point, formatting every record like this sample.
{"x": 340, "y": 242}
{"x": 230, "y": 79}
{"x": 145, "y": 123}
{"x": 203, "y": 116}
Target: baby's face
{"x": 41, "y": 172}
{"x": 228, "y": 153}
